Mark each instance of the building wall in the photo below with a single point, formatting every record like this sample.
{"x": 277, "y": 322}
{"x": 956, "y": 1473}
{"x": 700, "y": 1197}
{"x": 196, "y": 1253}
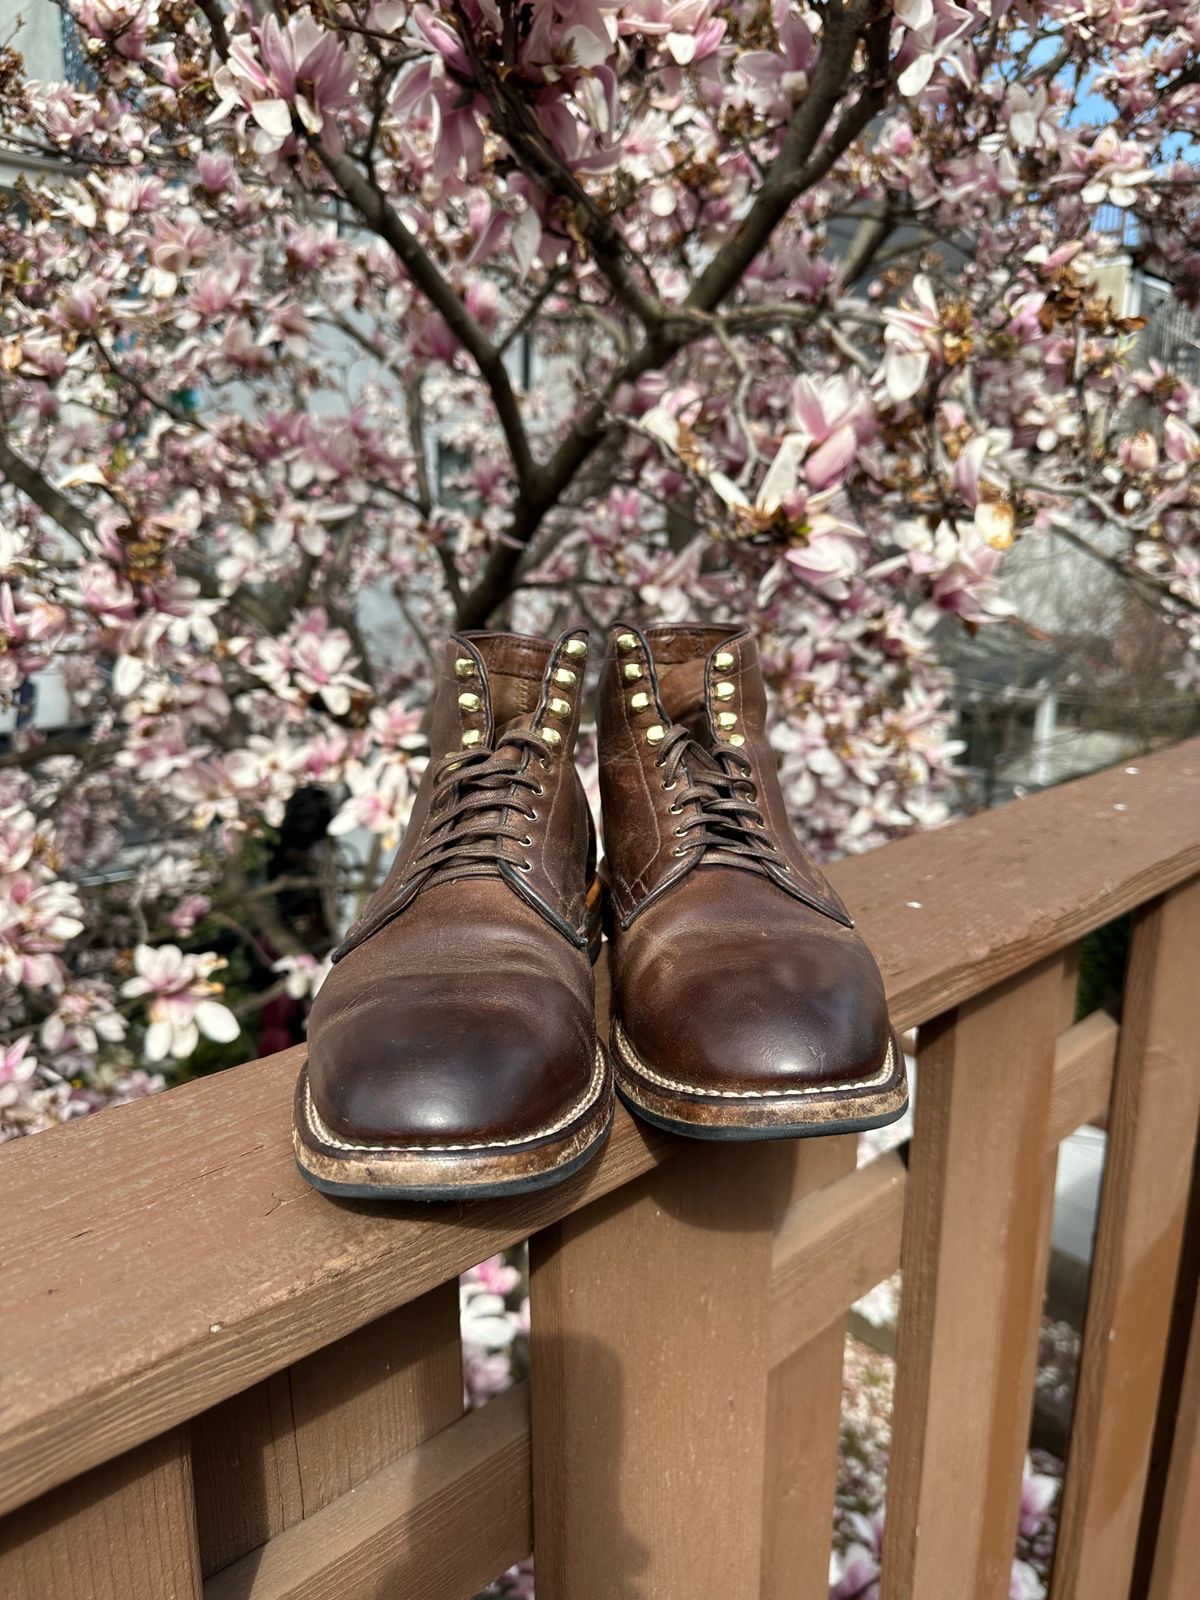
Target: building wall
{"x": 37, "y": 35}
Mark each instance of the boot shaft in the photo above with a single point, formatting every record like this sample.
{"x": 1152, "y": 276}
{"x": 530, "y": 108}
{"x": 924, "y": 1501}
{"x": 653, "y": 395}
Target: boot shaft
{"x": 511, "y": 701}
{"x": 706, "y": 681}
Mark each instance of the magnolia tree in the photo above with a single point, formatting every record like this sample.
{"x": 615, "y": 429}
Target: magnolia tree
{"x": 326, "y": 328}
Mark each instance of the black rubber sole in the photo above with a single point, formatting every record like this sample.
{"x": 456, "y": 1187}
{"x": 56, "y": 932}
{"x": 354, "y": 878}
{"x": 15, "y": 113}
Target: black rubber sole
{"x": 460, "y": 1191}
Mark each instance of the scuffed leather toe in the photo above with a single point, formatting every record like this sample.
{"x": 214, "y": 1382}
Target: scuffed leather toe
{"x": 766, "y": 999}
{"x": 406, "y": 1048}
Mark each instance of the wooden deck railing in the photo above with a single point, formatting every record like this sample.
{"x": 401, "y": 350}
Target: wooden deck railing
{"x": 215, "y": 1382}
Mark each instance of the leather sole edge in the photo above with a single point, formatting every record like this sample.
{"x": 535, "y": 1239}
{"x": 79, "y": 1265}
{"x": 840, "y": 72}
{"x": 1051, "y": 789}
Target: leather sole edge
{"x": 693, "y": 1112}
{"x": 476, "y": 1172}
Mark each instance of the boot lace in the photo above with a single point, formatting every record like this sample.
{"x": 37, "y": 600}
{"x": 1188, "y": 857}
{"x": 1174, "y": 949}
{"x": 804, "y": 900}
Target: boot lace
{"x": 727, "y": 816}
{"x": 474, "y": 795}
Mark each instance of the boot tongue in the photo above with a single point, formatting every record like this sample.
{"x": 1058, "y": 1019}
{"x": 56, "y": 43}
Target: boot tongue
{"x": 681, "y": 691}
{"x": 519, "y": 724}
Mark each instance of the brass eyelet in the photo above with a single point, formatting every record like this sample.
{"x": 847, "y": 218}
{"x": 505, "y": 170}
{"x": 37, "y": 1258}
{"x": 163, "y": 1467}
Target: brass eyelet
{"x": 524, "y": 866}
{"x": 526, "y": 843}
{"x": 679, "y": 832}
{"x": 680, "y": 850}
{"x": 537, "y": 788}
{"x": 674, "y": 809}
{"x": 668, "y": 787}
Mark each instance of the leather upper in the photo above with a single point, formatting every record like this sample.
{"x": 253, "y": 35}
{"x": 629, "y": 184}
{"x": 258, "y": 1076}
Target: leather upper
{"x": 736, "y": 968}
{"x": 460, "y": 1008}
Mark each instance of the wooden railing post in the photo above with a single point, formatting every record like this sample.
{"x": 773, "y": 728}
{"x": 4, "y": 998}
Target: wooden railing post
{"x": 279, "y": 1452}
{"x": 1173, "y": 1575}
{"x": 1151, "y": 1133}
{"x": 650, "y": 1343}
{"x": 804, "y": 1404}
{"x": 125, "y": 1529}
{"x": 974, "y": 1268}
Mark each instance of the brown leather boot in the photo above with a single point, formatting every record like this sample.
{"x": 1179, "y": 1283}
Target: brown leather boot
{"x": 452, "y": 1049}
{"x": 744, "y": 1004}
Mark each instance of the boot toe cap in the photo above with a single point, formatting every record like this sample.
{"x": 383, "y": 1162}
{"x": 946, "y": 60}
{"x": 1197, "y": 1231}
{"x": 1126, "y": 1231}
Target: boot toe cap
{"x": 397, "y": 1068}
{"x": 799, "y": 1015}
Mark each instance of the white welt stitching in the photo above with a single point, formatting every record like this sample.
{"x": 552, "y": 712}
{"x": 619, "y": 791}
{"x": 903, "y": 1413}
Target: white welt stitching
{"x": 636, "y": 1064}
{"x": 327, "y": 1136}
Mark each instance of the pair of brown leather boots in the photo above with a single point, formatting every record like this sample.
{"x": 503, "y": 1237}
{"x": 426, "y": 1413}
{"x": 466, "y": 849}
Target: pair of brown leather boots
{"x": 453, "y": 1049}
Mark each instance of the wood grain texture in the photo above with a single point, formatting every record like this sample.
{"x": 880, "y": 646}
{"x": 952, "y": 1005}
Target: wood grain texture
{"x": 1071, "y": 960}
{"x": 1001, "y": 890}
{"x": 832, "y": 1247}
{"x": 1151, "y": 1135}
{"x": 830, "y": 1235}
{"x": 245, "y": 1471}
{"x": 1177, "y": 1546}
{"x": 973, "y": 1259}
{"x": 436, "y": 1524}
{"x": 837, "y": 1243}
{"x": 1083, "y": 1071}
{"x": 649, "y": 1358}
{"x": 211, "y": 1264}
{"x": 804, "y": 1403}
{"x": 290, "y": 1445}
{"x": 122, "y": 1531}
{"x": 1176, "y": 1397}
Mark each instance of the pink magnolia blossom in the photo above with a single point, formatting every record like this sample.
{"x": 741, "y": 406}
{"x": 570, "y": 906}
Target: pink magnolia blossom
{"x": 17, "y": 1069}
{"x": 380, "y": 798}
{"x": 84, "y": 1019}
{"x": 910, "y": 341}
{"x": 300, "y": 70}
{"x": 1114, "y": 170}
{"x": 302, "y": 975}
{"x": 179, "y": 1006}
{"x": 784, "y": 75}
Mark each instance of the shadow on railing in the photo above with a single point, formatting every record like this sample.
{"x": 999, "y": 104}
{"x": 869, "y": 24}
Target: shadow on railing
{"x": 217, "y": 1381}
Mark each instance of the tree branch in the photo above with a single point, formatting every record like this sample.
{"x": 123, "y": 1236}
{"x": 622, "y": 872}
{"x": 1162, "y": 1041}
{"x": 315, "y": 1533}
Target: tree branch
{"x": 797, "y": 166}
{"x": 68, "y": 744}
{"x": 870, "y": 236}
{"x": 542, "y": 164}
{"x": 41, "y": 491}
{"x": 216, "y": 25}
{"x": 800, "y": 163}
{"x": 1142, "y": 582}
{"x": 373, "y": 208}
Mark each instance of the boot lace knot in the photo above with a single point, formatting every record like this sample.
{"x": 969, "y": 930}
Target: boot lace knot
{"x": 727, "y": 818}
{"x": 475, "y": 796}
